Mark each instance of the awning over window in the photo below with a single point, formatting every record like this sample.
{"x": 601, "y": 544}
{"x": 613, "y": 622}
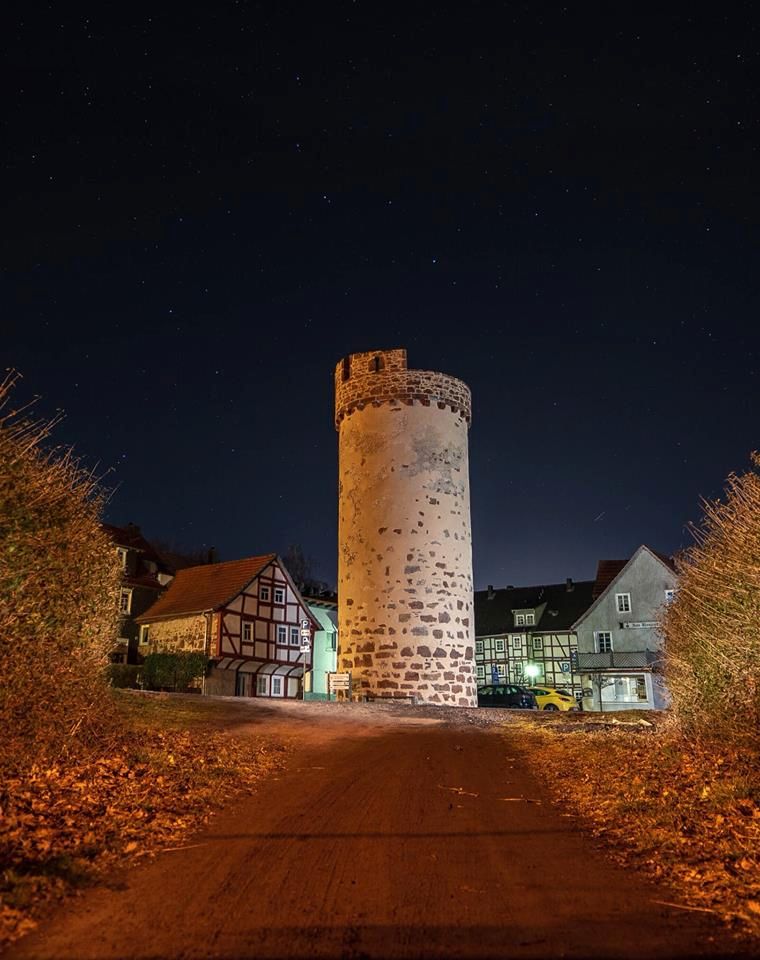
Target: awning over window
{"x": 260, "y": 666}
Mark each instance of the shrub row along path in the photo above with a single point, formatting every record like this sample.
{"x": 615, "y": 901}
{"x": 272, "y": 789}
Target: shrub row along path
{"x": 392, "y": 832}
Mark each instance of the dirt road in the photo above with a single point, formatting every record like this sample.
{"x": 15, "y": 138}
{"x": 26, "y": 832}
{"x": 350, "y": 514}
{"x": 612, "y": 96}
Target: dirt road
{"x": 405, "y": 837}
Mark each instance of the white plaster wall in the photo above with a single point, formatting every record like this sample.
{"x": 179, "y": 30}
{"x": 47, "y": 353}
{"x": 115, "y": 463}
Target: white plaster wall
{"x": 405, "y": 557}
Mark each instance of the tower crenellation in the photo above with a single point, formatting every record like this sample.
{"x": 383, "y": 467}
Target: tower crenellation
{"x": 405, "y": 592}
{"x": 382, "y": 376}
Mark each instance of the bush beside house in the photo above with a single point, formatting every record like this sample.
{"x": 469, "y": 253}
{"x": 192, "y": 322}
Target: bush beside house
{"x": 712, "y": 628}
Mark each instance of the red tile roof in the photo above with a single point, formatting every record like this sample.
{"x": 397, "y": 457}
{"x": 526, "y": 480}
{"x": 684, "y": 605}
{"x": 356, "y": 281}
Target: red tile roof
{"x": 208, "y": 587}
{"x": 606, "y": 572}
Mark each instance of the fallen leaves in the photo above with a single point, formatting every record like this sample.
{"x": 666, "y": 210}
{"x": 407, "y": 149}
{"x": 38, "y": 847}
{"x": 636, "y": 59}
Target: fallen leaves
{"x": 64, "y": 825}
{"x": 688, "y": 813}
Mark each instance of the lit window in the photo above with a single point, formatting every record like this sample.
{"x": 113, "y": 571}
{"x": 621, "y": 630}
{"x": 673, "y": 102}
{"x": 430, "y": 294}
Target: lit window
{"x": 125, "y": 601}
{"x": 500, "y": 645}
{"x": 279, "y": 595}
{"x": 623, "y": 601}
{"x": 247, "y": 636}
{"x": 294, "y": 637}
{"x": 603, "y": 641}
{"x": 282, "y": 633}
{"x": 263, "y": 593}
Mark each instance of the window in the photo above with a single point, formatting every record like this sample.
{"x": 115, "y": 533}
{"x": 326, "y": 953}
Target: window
{"x": 125, "y": 601}
{"x": 295, "y": 639}
{"x": 262, "y": 686}
{"x": 519, "y": 619}
{"x": 276, "y": 686}
{"x": 263, "y": 593}
{"x": 279, "y": 595}
{"x": 122, "y": 557}
{"x": 669, "y": 594}
{"x": 247, "y": 633}
{"x": 144, "y": 635}
{"x": 538, "y": 643}
{"x": 282, "y": 633}
{"x": 501, "y": 671}
{"x": 499, "y": 645}
{"x": 623, "y": 601}
{"x": 517, "y": 643}
{"x": 603, "y": 641}
{"x": 529, "y": 619}
{"x": 478, "y": 647}
{"x": 629, "y": 689}
{"x": 480, "y": 671}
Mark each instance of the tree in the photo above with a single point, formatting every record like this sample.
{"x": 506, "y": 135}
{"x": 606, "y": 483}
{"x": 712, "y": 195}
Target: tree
{"x": 59, "y": 581}
{"x": 712, "y": 627}
{"x": 300, "y": 567}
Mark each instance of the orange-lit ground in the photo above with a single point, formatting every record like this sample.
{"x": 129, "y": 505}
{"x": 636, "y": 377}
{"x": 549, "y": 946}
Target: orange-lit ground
{"x": 391, "y": 833}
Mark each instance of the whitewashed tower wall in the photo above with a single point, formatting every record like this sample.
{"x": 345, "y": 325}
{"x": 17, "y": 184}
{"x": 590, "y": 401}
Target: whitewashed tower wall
{"x": 405, "y": 601}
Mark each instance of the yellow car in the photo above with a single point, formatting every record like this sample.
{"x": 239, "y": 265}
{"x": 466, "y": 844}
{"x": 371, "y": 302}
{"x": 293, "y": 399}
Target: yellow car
{"x": 548, "y": 698}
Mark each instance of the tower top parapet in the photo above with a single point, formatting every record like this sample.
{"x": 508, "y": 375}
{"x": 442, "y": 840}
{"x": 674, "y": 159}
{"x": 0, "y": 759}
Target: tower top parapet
{"x": 381, "y": 376}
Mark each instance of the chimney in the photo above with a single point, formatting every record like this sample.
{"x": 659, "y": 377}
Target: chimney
{"x": 491, "y": 592}
{"x": 569, "y": 585}
{"x": 211, "y": 558}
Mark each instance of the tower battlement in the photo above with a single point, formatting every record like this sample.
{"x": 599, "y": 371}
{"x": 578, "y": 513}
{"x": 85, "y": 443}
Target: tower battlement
{"x": 382, "y": 376}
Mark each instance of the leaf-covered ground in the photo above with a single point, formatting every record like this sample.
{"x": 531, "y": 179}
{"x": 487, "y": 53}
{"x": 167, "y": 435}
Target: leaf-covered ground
{"x": 62, "y": 826}
{"x": 687, "y": 813}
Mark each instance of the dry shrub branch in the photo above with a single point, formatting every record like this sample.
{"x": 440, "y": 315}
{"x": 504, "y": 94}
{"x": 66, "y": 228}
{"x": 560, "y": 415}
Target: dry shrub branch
{"x": 712, "y": 629}
{"x": 59, "y": 581}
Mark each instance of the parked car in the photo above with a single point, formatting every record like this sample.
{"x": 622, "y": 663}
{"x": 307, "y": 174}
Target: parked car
{"x": 506, "y": 695}
{"x": 549, "y": 698}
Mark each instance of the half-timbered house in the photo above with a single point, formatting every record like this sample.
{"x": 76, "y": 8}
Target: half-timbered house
{"x": 525, "y": 635}
{"x": 246, "y": 615}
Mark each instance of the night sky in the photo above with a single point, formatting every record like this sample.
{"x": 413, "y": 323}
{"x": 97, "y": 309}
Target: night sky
{"x": 207, "y": 206}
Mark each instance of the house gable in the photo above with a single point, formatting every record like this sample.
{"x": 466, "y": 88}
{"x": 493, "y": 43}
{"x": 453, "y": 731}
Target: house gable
{"x": 263, "y": 620}
{"x": 611, "y": 582}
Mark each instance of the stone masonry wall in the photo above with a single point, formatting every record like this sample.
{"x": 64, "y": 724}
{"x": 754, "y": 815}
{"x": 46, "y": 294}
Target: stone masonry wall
{"x": 180, "y": 635}
{"x": 390, "y": 381}
{"x": 405, "y": 602}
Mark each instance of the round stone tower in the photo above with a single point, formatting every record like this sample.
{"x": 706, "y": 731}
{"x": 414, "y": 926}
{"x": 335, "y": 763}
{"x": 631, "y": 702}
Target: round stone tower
{"x": 405, "y": 603}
